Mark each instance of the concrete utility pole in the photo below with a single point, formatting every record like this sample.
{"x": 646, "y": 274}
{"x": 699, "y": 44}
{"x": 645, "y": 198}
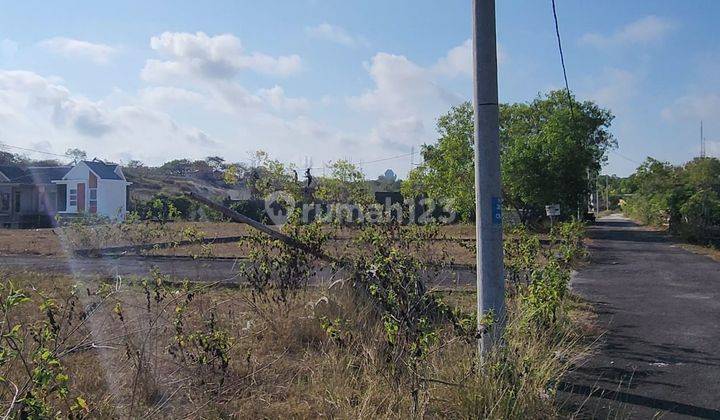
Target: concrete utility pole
{"x": 488, "y": 204}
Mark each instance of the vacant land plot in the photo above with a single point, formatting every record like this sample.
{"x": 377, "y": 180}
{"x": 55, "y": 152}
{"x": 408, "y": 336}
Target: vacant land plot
{"x": 376, "y": 340}
{"x": 139, "y": 349}
{"x": 208, "y": 239}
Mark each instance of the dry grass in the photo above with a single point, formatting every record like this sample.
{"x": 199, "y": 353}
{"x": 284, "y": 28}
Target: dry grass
{"x": 708, "y": 251}
{"x": 283, "y": 364}
{"x": 455, "y": 245}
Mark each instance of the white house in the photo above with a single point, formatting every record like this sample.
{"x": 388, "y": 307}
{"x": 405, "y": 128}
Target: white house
{"x": 94, "y": 187}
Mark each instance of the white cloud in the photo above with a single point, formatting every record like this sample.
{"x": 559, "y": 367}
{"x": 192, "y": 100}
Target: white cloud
{"x": 407, "y": 98}
{"x": 169, "y": 95}
{"x": 44, "y": 109}
{"x": 398, "y": 133}
{"x": 277, "y": 99}
{"x": 68, "y": 47}
{"x": 196, "y": 79}
{"x": 459, "y": 60}
{"x": 646, "y": 30}
{"x": 211, "y": 57}
{"x": 402, "y": 87}
{"x": 694, "y": 107}
{"x": 146, "y": 126}
{"x": 615, "y": 88}
{"x": 336, "y": 34}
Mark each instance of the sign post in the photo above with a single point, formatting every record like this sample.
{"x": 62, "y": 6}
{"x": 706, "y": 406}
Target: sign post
{"x": 552, "y": 210}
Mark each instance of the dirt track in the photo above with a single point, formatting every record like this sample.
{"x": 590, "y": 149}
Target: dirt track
{"x": 224, "y": 270}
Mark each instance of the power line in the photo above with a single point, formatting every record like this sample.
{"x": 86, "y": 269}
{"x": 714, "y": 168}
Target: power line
{"x": 412, "y": 153}
{"x": 562, "y": 58}
{"x": 626, "y": 158}
{"x": 376, "y": 160}
{"x": 567, "y": 85}
{"x": 5, "y": 145}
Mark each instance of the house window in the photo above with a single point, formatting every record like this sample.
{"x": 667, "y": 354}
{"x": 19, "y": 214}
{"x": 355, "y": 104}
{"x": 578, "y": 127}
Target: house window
{"x": 4, "y": 201}
{"x": 17, "y": 201}
{"x": 73, "y": 197}
{"x": 93, "y": 200}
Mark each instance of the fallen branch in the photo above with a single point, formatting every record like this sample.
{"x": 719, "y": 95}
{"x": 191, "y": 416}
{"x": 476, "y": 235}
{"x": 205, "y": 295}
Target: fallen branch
{"x": 241, "y": 218}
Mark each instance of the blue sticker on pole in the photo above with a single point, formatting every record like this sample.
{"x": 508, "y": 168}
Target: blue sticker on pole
{"x": 497, "y": 211}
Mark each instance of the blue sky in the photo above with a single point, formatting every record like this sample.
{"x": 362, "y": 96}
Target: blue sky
{"x": 322, "y": 79}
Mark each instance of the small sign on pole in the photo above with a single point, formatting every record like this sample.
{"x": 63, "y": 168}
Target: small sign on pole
{"x": 552, "y": 210}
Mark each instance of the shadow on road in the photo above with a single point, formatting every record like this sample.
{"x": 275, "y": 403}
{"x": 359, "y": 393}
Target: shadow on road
{"x": 626, "y": 231}
{"x": 658, "y": 305}
{"x": 620, "y": 397}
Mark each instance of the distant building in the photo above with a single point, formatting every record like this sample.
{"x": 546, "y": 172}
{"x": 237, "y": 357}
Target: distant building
{"x": 33, "y": 196}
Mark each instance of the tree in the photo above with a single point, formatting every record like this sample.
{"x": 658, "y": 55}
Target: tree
{"x": 76, "y": 155}
{"x": 7, "y": 158}
{"x": 346, "y": 184}
{"x": 269, "y": 175}
{"x": 135, "y": 164}
{"x": 703, "y": 173}
{"x": 178, "y": 167}
{"x": 685, "y": 196}
{"x": 45, "y": 162}
{"x": 656, "y": 193}
{"x": 549, "y": 152}
{"x": 215, "y": 162}
{"x": 448, "y": 168}
{"x": 551, "y": 149}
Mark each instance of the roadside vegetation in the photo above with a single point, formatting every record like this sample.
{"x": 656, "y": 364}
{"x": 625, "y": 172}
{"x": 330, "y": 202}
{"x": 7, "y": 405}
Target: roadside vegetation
{"x": 550, "y": 150}
{"x": 684, "y": 198}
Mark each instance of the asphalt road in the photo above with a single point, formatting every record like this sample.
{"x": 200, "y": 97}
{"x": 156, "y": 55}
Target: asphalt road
{"x": 660, "y": 305}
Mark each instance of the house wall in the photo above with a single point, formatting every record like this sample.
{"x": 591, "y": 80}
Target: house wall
{"x": 72, "y": 185}
{"x": 6, "y": 216}
{"x": 79, "y": 172}
{"x": 28, "y": 199}
{"x": 30, "y": 213}
{"x": 112, "y": 198}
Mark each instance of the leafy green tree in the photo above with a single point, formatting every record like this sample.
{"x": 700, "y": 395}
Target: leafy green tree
{"x": 346, "y": 184}
{"x": 448, "y": 168}
{"x": 703, "y": 173}
{"x": 270, "y": 175}
{"x": 549, "y": 152}
{"x": 702, "y": 209}
{"x": 655, "y": 193}
{"x": 686, "y": 197}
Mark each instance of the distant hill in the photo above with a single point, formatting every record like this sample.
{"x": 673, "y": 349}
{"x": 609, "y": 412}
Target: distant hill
{"x": 148, "y": 182}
